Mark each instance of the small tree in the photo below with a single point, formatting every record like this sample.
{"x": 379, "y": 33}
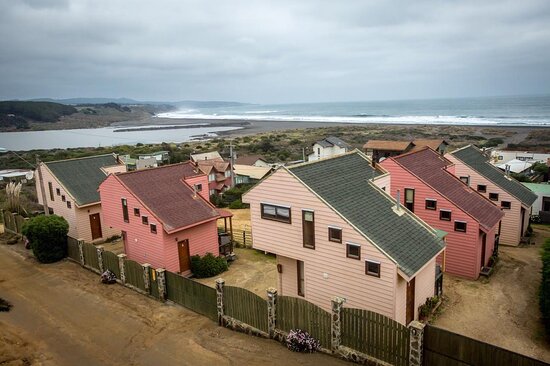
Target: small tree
{"x": 48, "y": 237}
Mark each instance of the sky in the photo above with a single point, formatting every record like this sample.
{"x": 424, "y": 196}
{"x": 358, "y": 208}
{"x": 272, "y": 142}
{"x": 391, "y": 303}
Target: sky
{"x": 273, "y": 51}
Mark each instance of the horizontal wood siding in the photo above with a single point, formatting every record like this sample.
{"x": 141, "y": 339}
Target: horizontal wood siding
{"x": 200, "y": 179}
{"x": 288, "y": 279}
{"x": 82, "y": 217}
{"x": 424, "y": 286}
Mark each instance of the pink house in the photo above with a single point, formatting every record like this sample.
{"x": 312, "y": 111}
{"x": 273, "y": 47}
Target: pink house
{"x": 163, "y": 213}
{"x": 337, "y": 233}
{"x": 217, "y": 169}
{"x": 430, "y": 190}
{"x": 70, "y": 188}
{"x": 515, "y": 200}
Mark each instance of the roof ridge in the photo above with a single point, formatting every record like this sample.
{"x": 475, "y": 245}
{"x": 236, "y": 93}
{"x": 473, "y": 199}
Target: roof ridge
{"x": 354, "y": 151}
{"x": 80, "y": 158}
{"x": 188, "y": 162}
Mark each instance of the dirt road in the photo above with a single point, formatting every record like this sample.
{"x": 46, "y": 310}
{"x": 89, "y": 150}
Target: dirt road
{"x": 62, "y": 315}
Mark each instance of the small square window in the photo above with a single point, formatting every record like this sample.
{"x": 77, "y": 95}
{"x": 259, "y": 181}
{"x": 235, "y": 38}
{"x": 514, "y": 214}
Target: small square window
{"x": 335, "y": 234}
{"x": 58, "y": 191}
{"x": 144, "y": 220}
{"x": 431, "y": 204}
{"x": 153, "y": 228}
{"x": 466, "y": 180}
{"x": 506, "y": 205}
{"x": 353, "y": 251}
{"x": 481, "y": 188}
{"x": 372, "y": 268}
{"x": 69, "y": 204}
{"x": 136, "y": 211}
{"x": 493, "y": 196}
{"x": 445, "y": 215}
{"x": 198, "y": 187}
{"x": 460, "y": 226}
{"x": 63, "y": 198}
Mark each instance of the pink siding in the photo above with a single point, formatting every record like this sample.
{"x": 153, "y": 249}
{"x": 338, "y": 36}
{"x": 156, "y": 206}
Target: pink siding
{"x": 383, "y": 182}
{"x": 511, "y": 222}
{"x": 200, "y": 179}
{"x": 121, "y": 168}
{"x": 463, "y": 249}
{"x": 288, "y": 280}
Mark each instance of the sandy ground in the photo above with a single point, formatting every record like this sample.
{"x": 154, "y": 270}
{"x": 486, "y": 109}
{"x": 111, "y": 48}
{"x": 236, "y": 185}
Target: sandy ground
{"x": 241, "y": 219}
{"x": 502, "y": 310}
{"x": 63, "y": 315}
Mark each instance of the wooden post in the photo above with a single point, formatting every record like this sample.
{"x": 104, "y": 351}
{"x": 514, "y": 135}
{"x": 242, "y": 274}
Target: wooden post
{"x": 100, "y": 250}
{"x": 231, "y": 228}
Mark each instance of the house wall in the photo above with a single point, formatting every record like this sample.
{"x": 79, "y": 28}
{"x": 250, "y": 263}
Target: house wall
{"x": 383, "y": 182}
{"x": 82, "y": 223}
{"x": 511, "y": 222}
{"x": 320, "y": 152}
{"x": 288, "y": 280}
{"x": 200, "y": 179}
{"x": 121, "y": 168}
{"x": 463, "y": 248}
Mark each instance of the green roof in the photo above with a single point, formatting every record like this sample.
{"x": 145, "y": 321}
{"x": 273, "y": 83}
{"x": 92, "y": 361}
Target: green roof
{"x": 474, "y": 158}
{"x": 543, "y": 188}
{"x": 82, "y": 177}
{"x": 344, "y": 182}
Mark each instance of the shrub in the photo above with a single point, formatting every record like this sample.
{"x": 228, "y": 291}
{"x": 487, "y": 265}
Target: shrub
{"x": 299, "y": 340}
{"x": 544, "y": 291}
{"x": 47, "y": 236}
{"x": 208, "y": 266}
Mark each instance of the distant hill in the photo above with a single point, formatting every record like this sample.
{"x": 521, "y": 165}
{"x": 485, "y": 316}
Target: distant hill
{"x": 18, "y": 113}
{"x": 128, "y": 101}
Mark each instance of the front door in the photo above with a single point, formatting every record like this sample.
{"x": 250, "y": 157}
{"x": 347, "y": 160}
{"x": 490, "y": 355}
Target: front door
{"x": 95, "y": 226}
{"x": 410, "y": 301}
{"x": 522, "y": 214}
{"x": 483, "y": 248}
{"x": 183, "y": 252}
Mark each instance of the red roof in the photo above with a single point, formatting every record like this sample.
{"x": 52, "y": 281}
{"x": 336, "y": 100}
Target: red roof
{"x": 429, "y": 166}
{"x": 163, "y": 191}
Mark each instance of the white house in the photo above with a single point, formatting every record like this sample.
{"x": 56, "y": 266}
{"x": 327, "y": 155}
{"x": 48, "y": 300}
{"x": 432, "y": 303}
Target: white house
{"x": 327, "y": 147}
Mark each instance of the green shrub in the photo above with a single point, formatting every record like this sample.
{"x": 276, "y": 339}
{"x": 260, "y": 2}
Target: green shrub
{"x": 544, "y": 292}
{"x": 208, "y": 266}
{"x": 47, "y": 236}
{"x": 237, "y": 204}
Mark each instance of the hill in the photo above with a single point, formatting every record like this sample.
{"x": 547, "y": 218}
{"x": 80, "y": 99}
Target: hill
{"x": 19, "y": 114}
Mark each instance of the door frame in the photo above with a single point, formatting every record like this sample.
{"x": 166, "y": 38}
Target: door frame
{"x": 483, "y": 247}
{"x": 98, "y": 225}
{"x": 185, "y": 253}
{"x": 523, "y": 211}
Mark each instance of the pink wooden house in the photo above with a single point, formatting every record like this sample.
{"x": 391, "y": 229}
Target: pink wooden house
{"x": 217, "y": 169}
{"x": 515, "y": 200}
{"x": 71, "y": 186}
{"x": 430, "y": 190}
{"x": 337, "y": 233}
{"x": 164, "y": 215}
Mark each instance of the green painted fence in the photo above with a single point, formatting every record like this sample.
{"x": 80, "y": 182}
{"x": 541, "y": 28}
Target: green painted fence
{"x": 295, "y": 313}
{"x": 134, "y": 274}
{"x": 72, "y": 249}
{"x": 245, "y": 306}
{"x": 90, "y": 255}
{"x": 375, "y": 335}
{"x": 110, "y": 262}
{"x": 193, "y": 295}
{"x": 154, "y": 283}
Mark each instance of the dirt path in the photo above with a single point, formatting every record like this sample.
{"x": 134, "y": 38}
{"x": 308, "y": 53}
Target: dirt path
{"x": 503, "y": 310}
{"x": 62, "y": 315}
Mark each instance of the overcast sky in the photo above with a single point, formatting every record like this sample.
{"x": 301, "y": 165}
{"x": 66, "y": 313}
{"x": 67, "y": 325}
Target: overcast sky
{"x": 276, "y": 51}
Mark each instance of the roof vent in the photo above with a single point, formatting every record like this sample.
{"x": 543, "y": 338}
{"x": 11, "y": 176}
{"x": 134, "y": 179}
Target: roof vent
{"x": 397, "y": 208}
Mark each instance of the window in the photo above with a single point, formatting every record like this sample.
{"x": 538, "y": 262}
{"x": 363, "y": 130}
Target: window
{"x": 384, "y": 189}
{"x": 69, "y": 204}
{"x": 308, "y": 229}
{"x": 445, "y": 215}
{"x": 500, "y": 157}
{"x": 335, "y": 234}
{"x": 51, "y": 191}
{"x": 276, "y": 213}
{"x": 318, "y": 151}
{"x": 212, "y": 191}
{"x": 136, "y": 212}
{"x": 153, "y": 228}
{"x": 493, "y": 196}
{"x": 58, "y": 191}
{"x": 63, "y": 198}
{"x": 372, "y": 268}
{"x": 198, "y": 187}
{"x": 227, "y": 173}
{"x": 481, "y": 188}
{"x": 211, "y": 177}
{"x": 409, "y": 199}
{"x": 144, "y": 220}
{"x": 301, "y": 277}
{"x": 460, "y": 226}
{"x": 431, "y": 204}
{"x": 125, "y": 210}
{"x": 353, "y": 251}
{"x": 465, "y": 180}
{"x": 506, "y": 205}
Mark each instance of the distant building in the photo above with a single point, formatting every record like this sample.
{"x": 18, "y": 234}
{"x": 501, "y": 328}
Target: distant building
{"x": 381, "y": 149}
{"x": 504, "y": 156}
{"x": 542, "y": 203}
{"x": 254, "y": 160}
{"x": 138, "y": 164}
{"x": 245, "y": 174}
{"x": 213, "y": 155}
{"x": 515, "y": 166}
{"x": 19, "y": 175}
{"x": 162, "y": 157}
{"x": 216, "y": 168}
{"x": 327, "y": 147}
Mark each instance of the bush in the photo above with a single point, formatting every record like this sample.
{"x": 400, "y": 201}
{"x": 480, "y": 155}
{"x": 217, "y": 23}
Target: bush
{"x": 544, "y": 292}
{"x": 237, "y": 204}
{"x": 208, "y": 266}
{"x": 47, "y": 236}
{"x": 299, "y": 340}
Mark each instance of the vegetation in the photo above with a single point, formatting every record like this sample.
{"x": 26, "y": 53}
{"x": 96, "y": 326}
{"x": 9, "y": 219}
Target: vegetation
{"x": 18, "y": 113}
{"x": 428, "y": 307}
{"x": 299, "y": 340}
{"x": 208, "y": 266}
{"x": 12, "y": 196}
{"x": 492, "y": 142}
{"x": 47, "y": 236}
{"x": 232, "y": 197}
{"x": 544, "y": 292}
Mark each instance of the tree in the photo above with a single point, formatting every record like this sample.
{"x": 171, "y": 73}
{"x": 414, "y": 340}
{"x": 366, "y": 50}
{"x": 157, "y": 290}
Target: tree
{"x": 47, "y": 236}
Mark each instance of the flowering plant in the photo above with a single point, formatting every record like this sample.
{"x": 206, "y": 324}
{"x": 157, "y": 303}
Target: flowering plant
{"x": 299, "y": 340}
{"x": 108, "y": 277}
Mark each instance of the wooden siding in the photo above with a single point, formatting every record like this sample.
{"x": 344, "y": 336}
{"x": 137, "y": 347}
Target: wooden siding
{"x": 424, "y": 286}
{"x": 463, "y": 248}
{"x": 288, "y": 280}
{"x": 200, "y": 179}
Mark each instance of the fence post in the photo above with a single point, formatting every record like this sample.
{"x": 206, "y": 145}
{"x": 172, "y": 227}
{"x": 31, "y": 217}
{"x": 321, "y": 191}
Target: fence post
{"x": 336, "y": 323}
{"x": 271, "y": 311}
{"x": 122, "y": 267}
{"x": 81, "y": 251}
{"x": 146, "y": 278}
{"x": 416, "y": 343}
{"x": 244, "y": 239}
{"x": 220, "y": 283}
{"x": 100, "y": 250}
{"x": 161, "y": 282}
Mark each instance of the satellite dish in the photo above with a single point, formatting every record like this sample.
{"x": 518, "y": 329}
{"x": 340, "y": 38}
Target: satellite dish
{"x": 29, "y": 175}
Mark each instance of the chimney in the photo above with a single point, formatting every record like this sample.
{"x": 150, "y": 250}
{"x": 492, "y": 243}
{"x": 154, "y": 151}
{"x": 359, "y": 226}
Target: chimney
{"x": 507, "y": 170}
{"x": 398, "y": 203}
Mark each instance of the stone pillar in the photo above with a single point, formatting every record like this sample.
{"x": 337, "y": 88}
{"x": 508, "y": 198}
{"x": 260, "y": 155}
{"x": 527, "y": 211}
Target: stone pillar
{"x": 122, "y": 267}
{"x": 271, "y": 311}
{"x": 81, "y": 251}
{"x": 161, "y": 282}
{"x": 146, "y": 278}
{"x": 336, "y": 323}
{"x": 416, "y": 343}
{"x": 100, "y": 250}
{"x": 220, "y": 283}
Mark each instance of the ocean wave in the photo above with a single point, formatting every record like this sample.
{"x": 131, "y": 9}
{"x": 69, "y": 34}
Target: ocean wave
{"x": 259, "y": 112}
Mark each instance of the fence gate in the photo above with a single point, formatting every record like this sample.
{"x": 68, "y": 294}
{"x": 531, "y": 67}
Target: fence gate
{"x": 245, "y": 306}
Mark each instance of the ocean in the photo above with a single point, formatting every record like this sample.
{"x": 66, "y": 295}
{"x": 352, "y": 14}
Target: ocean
{"x": 508, "y": 111}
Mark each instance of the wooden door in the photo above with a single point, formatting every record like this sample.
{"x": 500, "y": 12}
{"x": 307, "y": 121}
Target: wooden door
{"x": 183, "y": 252}
{"x": 95, "y": 226}
{"x": 410, "y": 301}
{"x": 522, "y": 214}
{"x": 483, "y": 248}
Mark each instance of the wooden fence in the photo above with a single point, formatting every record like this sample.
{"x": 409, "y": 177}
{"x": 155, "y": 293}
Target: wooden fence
{"x": 375, "y": 335}
{"x": 90, "y": 255}
{"x": 193, "y": 295}
{"x": 243, "y": 238}
{"x": 13, "y": 222}
{"x": 110, "y": 262}
{"x": 72, "y": 249}
{"x": 133, "y": 272}
{"x": 245, "y": 306}
{"x": 154, "y": 283}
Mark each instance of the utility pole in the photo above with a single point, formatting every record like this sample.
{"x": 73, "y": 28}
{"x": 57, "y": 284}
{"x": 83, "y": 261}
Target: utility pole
{"x": 232, "y": 163}
{"x": 42, "y": 189}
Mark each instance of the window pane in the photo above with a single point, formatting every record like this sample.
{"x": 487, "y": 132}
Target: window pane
{"x": 409, "y": 195}
{"x": 284, "y": 212}
{"x": 308, "y": 216}
{"x": 269, "y": 210}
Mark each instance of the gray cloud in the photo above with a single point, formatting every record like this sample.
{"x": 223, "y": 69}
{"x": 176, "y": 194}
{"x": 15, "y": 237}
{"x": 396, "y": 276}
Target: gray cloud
{"x": 284, "y": 51}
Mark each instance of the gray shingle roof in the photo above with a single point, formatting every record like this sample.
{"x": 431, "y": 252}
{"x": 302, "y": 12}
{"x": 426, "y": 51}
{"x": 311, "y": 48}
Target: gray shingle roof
{"x": 475, "y": 159}
{"x": 81, "y": 177}
{"x": 343, "y": 182}
{"x": 333, "y": 141}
